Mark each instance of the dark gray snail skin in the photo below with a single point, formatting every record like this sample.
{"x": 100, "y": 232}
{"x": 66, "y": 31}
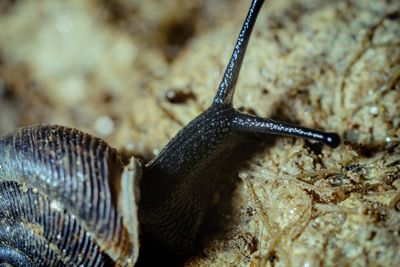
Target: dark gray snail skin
{"x": 69, "y": 199}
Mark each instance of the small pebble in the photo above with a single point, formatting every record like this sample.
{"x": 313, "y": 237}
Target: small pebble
{"x": 373, "y": 110}
{"x": 104, "y": 125}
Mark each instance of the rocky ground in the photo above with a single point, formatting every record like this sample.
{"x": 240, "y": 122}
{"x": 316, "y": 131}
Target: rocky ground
{"x": 135, "y": 72}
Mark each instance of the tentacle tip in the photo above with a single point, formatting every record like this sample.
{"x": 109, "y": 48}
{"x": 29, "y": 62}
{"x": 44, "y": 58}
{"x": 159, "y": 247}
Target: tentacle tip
{"x": 332, "y": 140}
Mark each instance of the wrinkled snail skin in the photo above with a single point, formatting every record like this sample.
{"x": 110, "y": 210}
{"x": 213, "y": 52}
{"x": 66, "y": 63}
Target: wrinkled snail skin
{"x": 69, "y": 199}
{"x": 179, "y": 182}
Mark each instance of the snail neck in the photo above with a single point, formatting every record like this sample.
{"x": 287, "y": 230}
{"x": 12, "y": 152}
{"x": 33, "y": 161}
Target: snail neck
{"x": 193, "y": 151}
{"x": 176, "y": 186}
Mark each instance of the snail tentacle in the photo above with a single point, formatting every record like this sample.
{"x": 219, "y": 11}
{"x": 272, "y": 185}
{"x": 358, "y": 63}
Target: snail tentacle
{"x": 227, "y": 86}
{"x": 251, "y": 124}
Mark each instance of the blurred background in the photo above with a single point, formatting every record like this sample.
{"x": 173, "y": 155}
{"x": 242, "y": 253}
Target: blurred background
{"x": 92, "y": 64}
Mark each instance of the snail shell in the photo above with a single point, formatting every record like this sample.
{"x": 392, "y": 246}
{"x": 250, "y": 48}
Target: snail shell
{"x": 66, "y": 199}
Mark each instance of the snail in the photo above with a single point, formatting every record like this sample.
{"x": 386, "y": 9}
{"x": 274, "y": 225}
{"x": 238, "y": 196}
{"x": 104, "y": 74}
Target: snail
{"x": 67, "y": 198}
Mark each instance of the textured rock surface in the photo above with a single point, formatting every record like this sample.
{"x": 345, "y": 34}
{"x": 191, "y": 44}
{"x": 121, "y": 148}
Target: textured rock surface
{"x": 120, "y": 72}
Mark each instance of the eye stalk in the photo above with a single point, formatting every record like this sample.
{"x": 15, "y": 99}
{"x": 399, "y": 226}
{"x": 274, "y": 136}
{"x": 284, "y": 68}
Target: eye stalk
{"x": 250, "y": 124}
{"x": 227, "y": 86}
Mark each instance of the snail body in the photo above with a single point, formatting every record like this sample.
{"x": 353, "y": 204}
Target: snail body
{"x": 74, "y": 200}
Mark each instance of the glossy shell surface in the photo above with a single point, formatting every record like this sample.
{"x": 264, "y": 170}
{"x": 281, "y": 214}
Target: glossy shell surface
{"x": 66, "y": 199}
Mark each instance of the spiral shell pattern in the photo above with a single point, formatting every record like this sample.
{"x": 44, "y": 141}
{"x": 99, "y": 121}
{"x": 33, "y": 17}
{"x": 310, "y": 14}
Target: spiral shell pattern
{"x": 66, "y": 199}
